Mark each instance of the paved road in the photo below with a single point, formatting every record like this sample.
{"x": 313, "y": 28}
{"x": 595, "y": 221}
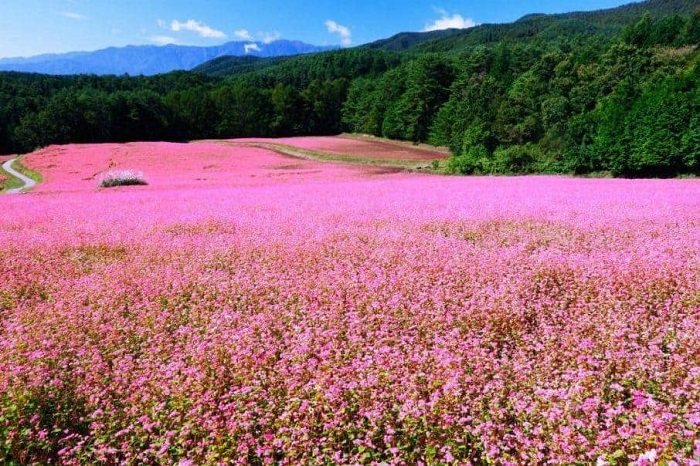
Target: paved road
{"x": 28, "y": 182}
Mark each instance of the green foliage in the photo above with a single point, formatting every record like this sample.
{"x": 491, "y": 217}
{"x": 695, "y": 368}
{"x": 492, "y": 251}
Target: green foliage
{"x": 518, "y": 160}
{"x": 241, "y": 110}
{"x": 692, "y": 30}
{"x": 191, "y": 114}
{"x": 51, "y": 410}
{"x": 360, "y": 109}
{"x": 672, "y": 30}
{"x": 474, "y": 156}
{"x": 370, "y": 106}
{"x": 428, "y": 79}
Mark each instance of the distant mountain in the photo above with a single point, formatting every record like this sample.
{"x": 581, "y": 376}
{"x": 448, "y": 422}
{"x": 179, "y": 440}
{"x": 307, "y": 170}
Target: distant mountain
{"x": 406, "y": 40}
{"x": 228, "y": 66}
{"x": 150, "y": 59}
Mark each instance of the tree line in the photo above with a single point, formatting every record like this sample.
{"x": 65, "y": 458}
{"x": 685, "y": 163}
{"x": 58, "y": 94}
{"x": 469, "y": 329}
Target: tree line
{"x": 628, "y": 104}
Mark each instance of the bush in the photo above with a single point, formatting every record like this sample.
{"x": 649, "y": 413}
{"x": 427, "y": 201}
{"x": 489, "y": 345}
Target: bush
{"x": 121, "y": 178}
{"x": 475, "y": 161}
{"x": 517, "y": 160}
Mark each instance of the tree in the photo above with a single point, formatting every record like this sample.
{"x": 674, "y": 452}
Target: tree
{"x": 472, "y": 97}
{"x": 661, "y": 128}
{"x": 324, "y": 99}
{"x": 243, "y": 110}
{"x": 290, "y": 115}
{"x": 474, "y": 156}
{"x": 139, "y": 116}
{"x": 692, "y": 31}
{"x": 358, "y": 112}
{"x": 518, "y": 119}
{"x": 193, "y": 113}
{"x": 640, "y": 34}
{"x": 427, "y": 87}
{"x": 610, "y": 146}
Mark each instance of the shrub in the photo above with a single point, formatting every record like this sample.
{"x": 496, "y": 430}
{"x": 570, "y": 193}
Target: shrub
{"x": 121, "y": 178}
{"x": 517, "y": 160}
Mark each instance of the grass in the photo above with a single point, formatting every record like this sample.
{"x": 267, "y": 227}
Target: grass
{"x": 435, "y": 166}
{"x": 421, "y": 145}
{"x": 8, "y": 181}
{"x": 326, "y": 156}
{"x": 28, "y": 172}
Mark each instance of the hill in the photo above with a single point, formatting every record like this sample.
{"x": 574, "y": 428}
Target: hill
{"x": 547, "y": 28}
{"x": 231, "y": 65}
{"x": 407, "y": 40}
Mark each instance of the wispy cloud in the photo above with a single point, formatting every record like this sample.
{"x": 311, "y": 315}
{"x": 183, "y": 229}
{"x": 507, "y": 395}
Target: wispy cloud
{"x": 72, "y": 15}
{"x": 252, "y": 48}
{"x": 163, "y": 40}
{"x": 269, "y": 37}
{"x": 264, "y": 37}
{"x": 343, "y": 31}
{"x": 242, "y": 34}
{"x": 195, "y": 26}
{"x": 447, "y": 21}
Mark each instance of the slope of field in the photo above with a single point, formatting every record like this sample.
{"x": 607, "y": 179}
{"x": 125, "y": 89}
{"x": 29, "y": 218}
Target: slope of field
{"x": 330, "y": 317}
{"x": 179, "y": 166}
{"x": 359, "y": 149}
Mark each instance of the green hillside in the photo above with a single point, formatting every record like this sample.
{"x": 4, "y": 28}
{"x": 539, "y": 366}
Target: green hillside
{"x": 407, "y": 40}
{"x": 548, "y": 28}
{"x": 236, "y": 66}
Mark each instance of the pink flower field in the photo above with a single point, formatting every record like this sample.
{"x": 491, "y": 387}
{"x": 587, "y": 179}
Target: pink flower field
{"x": 250, "y": 308}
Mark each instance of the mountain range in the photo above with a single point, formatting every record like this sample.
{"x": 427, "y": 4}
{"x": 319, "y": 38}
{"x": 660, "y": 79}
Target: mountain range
{"x": 150, "y": 59}
{"x": 533, "y": 28}
{"x": 245, "y": 56}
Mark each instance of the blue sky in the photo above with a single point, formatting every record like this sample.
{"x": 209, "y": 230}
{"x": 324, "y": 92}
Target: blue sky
{"x": 32, "y": 27}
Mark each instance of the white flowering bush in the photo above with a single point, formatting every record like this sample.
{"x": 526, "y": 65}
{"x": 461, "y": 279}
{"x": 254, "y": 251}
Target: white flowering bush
{"x": 113, "y": 178}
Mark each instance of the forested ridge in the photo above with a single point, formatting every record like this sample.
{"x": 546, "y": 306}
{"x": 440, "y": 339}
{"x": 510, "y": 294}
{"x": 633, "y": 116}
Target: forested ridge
{"x": 614, "y": 91}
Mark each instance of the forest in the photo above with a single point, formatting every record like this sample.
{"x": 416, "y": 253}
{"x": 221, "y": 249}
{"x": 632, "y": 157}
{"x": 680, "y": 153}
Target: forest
{"x": 547, "y": 94}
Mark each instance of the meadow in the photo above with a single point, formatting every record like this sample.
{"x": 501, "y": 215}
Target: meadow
{"x": 250, "y": 308}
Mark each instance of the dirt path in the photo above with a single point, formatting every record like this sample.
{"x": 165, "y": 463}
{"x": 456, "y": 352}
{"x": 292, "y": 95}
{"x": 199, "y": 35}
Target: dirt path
{"x": 28, "y": 182}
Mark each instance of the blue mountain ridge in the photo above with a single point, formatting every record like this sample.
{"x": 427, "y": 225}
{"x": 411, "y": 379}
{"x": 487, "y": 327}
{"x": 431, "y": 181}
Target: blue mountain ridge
{"x": 151, "y": 59}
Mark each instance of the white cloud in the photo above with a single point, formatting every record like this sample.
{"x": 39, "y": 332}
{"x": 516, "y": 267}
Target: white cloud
{"x": 162, "y": 24}
{"x": 242, "y": 34}
{"x": 343, "y": 31}
{"x": 264, "y": 37}
{"x": 447, "y": 21}
{"x": 252, "y": 48}
{"x": 163, "y": 40}
{"x": 269, "y": 37}
{"x": 71, "y": 15}
{"x": 195, "y": 26}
